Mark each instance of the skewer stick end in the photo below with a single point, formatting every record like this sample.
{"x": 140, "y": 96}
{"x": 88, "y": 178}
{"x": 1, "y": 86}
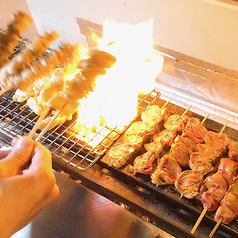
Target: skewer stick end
{"x": 215, "y": 228}
{"x": 199, "y": 220}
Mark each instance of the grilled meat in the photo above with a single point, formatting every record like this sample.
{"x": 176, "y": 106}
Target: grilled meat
{"x": 176, "y": 122}
{"x": 119, "y": 154}
{"x": 166, "y": 172}
{"x": 9, "y": 39}
{"x": 218, "y": 183}
{"x": 153, "y": 114}
{"x": 188, "y": 183}
{"x": 217, "y": 140}
{"x": 195, "y": 131}
{"x": 144, "y": 163}
{"x": 233, "y": 150}
{"x": 228, "y": 209}
{"x": 201, "y": 163}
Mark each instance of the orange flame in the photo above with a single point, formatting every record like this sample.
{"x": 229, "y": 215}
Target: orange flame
{"x": 114, "y": 100}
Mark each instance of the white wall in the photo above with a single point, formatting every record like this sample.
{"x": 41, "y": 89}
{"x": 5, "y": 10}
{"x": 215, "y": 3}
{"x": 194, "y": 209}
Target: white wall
{"x": 204, "y": 29}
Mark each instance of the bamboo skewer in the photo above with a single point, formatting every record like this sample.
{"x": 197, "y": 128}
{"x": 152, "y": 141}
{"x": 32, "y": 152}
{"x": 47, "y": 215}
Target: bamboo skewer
{"x": 199, "y": 220}
{"x": 215, "y": 228}
{"x": 186, "y": 110}
{"x": 50, "y": 123}
{"x": 40, "y": 119}
{"x": 166, "y": 104}
{"x": 205, "y": 207}
{"x": 204, "y": 119}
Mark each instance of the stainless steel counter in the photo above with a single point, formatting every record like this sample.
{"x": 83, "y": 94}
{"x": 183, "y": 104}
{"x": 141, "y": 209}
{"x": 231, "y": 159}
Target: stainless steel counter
{"x": 80, "y": 212}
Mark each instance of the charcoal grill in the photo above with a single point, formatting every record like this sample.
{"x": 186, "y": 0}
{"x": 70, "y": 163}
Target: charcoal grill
{"x": 73, "y": 154}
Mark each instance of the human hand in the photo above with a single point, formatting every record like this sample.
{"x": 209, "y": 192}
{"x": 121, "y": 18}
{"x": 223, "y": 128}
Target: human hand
{"x": 27, "y": 184}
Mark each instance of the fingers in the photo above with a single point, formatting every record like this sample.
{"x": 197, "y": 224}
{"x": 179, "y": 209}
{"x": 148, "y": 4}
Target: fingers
{"x": 42, "y": 159}
{"x": 18, "y": 157}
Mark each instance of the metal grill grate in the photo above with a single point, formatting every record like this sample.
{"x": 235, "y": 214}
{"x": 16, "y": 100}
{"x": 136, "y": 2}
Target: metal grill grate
{"x": 72, "y": 142}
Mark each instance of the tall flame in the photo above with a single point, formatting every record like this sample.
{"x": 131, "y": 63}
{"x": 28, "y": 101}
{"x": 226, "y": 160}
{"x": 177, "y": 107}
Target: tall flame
{"x": 114, "y": 100}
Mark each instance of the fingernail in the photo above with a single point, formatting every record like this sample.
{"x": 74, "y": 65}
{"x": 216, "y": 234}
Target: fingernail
{"x": 23, "y": 143}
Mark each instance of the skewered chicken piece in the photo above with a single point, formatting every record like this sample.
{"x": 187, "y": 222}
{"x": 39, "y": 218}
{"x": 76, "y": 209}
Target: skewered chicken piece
{"x": 144, "y": 163}
{"x": 166, "y": 172}
{"x": 138, "y": 133}
{"x": 233, "y": 150}
{"x": 9, "y": 39}
{"x": 217, "y": 140}
{"x": 84, "y": 82}
{"x": 228, "y": 210}
{"x": 27, "y": 56}
{"x": 181, "y": 153}
{"x": 209, "y": 153}
{"x": 195, "y": 130}
{"x": 153, "y": 114}
{"x": 218, "y": 183}
{"x": 43, "y": 89}
{"x": 176, "y": 122}
{"x": 119, "y": 154}
{"x": 161, "y": 139}
{"x": 42, "y": 68}
{"x": 188, "y": 183}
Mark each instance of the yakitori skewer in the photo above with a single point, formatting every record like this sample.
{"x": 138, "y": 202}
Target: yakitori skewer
{"x": 80, "y": 86}
{"x": 205, "y": 207}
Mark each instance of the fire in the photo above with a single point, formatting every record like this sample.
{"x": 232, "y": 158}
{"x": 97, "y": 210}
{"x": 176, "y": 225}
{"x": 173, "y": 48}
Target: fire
{"x": 114, "y": 100}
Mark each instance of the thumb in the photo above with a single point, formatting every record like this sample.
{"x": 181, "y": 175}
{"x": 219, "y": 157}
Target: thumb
{"x": 17, "y": 158}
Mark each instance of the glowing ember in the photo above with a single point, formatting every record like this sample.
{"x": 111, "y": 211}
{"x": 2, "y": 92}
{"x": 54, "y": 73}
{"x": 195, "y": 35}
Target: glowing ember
{"x": 114, "y": 100}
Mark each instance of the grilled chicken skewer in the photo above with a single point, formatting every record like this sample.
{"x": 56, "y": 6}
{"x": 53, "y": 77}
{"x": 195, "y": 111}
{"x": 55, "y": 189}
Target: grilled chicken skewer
{"x": 135, "y": 137}
{"x": 161, "y": 174}
{"x": 227, "y": 210}
{"x": 80, "y": 86}
{"x": 9, "y": 39}
{"x": 216, "y": 145}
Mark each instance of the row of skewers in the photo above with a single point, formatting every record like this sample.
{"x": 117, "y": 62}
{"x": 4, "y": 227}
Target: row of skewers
{"x": 201, "y": 164}
{"x": 50, "y": 84}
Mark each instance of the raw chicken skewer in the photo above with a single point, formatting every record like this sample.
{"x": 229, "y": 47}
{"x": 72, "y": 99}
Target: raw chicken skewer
{"x": 228, "y": 209}
{"x": 205, "y": 207}
{"x": 133, "y": 139}
{"x": 144, "y": 163}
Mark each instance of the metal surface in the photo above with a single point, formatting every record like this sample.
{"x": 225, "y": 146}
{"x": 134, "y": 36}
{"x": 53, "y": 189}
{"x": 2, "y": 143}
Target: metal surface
{"x": 80, "y": 212}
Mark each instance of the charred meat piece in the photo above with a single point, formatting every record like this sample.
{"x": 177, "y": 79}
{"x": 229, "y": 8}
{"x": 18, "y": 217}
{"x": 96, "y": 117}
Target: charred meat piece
{"x": 176, "y": 122}
{"x": 195, "y": 131}
{"x": 189, "y": 183}
{"x": 144, "y": 163}
{"x": 166, "y": 172}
